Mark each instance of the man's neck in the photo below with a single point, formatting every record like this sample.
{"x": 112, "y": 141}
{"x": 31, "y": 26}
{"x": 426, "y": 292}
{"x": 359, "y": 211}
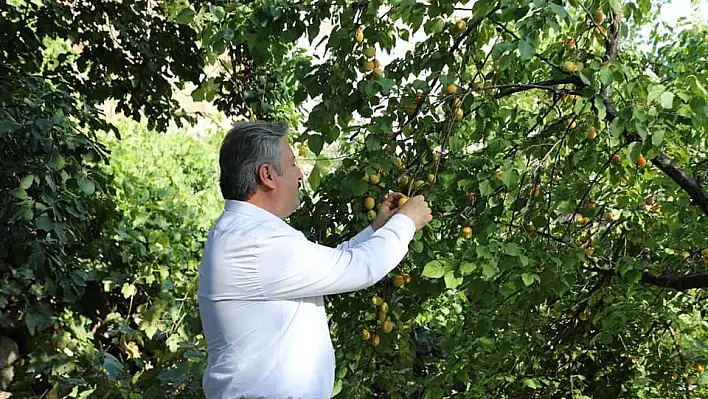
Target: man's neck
{"x": 264, "y": 202}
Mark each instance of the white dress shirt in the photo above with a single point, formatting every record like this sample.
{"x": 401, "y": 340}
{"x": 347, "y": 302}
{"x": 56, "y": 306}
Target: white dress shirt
{"x": 261, "y": 284}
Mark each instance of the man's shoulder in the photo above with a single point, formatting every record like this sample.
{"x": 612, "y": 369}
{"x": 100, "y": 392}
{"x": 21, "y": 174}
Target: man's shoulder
{"x": 254, "y": 227}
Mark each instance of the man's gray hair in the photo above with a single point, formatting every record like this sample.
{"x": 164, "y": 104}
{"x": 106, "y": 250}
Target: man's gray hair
{"x": 245, "y": 148}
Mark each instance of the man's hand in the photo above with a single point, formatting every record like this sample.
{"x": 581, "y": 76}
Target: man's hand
{"x": 416, "y": 208}
{"x": 388, "y": 208}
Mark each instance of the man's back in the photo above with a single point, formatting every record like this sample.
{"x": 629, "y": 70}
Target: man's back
{"x": 258, "y": 347}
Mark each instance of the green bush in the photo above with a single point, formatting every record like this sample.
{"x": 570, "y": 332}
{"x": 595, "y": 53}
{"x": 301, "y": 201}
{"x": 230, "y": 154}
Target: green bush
{"x": 111, "y": 310}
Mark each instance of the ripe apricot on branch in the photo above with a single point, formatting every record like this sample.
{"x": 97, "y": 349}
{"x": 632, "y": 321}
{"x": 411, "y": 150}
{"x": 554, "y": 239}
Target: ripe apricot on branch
{"x": 374, "y": 179}
{"x": 403, "y": 180}
{"x": 570, "y": 67}
{"x": 592, "y": 133}
{"x": 369, "y": 203}
{"x": 641, "y": 161}
{"x": 377, "y": 73}
{"x": 598, "y": 17}
{"x": 375, "y": 340}
{"x": 467, "y": 232}
{"x": 451, "y": 88}
{"x": 569, "y": 43}
{"x": 359, "y": 34}
{"x": 398, "y": 162}
{"x": 535, "y": 190}
{"x": 456, "y": 102}
{"x": 616, "y": 158}
{"x": 459, "y": 113}
{"x": 399, "y": 281}
{"x": 460, "y": 25}
{"x": 387, "y": 326}
{"x": 365, "y": 334}
{"x": 384, "y": 308}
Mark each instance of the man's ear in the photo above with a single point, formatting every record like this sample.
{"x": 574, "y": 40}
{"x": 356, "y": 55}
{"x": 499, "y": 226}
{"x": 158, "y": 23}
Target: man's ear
{"x": 266, "y": 176}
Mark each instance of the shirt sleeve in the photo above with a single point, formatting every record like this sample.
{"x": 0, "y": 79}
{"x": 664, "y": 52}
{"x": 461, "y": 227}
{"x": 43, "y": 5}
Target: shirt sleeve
{"x": 357, "y": 239}
{"x": 293, "y": 267}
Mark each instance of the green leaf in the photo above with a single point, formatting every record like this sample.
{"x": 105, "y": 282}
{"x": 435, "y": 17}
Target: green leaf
{"x": 616, "y": 7}
{"x": 452, "y": 282}
{"x": 7, "y": 125}
{"x": 36, "y": 321}
{"x": 337, "y": 387}
{"x": 19, "y": 193}
{"x": 658, "y": 137}
{"x": 112, "y": 366}
{"x": 128, "y": 290}
{"x": 526, "y": 49}
{"x": 44, "y": 222}
{"x": 217, "y": 11}
{"x": 529, "y": 278}
{"x": 485, "y": 187}
{"x": 489, "y": 270}
{"x": 417, "y": 246}
{"x": 315, "y": 142}
{"x": 185, "y": 16}
{"x": 467, "y": 268}
{"x": 634, "y": 150}
{"x": 319, "y": 170}
{"x": 58, "y": 162}
{"x": 434, "y": 393}
{"x": 605, "y": 75}
{"x": 512, "y": 249}
{"x": 531, "y": 383}
{"x": 509, "y": 177}
{"x": 87, "y": 186}
{"x": 655, "y": 91}
{"x": 434, "y": 269}
{"x": 26, "y": 182}
{"x": 600, "y": 105}
{"x": 667, "y": 99}
{"x": 456, "y": 143}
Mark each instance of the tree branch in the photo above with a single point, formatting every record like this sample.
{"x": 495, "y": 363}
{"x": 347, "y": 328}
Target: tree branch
{"x": 544, "y": 85}
{"x": 687, "y": 183}
{"x": 679, "y": 283}
{"x": 664, "y": 163}
{"x": 665, "y": 280}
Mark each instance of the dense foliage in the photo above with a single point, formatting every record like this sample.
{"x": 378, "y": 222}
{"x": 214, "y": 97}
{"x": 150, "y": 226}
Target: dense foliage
{"x": 564, "y": 162}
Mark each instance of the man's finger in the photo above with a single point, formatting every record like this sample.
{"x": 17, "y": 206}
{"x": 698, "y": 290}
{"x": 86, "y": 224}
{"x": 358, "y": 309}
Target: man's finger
{"x": 391, "y": 200}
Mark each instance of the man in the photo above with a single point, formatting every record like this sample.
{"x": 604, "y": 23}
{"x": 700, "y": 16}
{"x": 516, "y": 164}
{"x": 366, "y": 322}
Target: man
{"x": 262, "y": 282}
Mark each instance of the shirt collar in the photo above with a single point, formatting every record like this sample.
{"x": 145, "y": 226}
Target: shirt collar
{"x": 249, "y": 209}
